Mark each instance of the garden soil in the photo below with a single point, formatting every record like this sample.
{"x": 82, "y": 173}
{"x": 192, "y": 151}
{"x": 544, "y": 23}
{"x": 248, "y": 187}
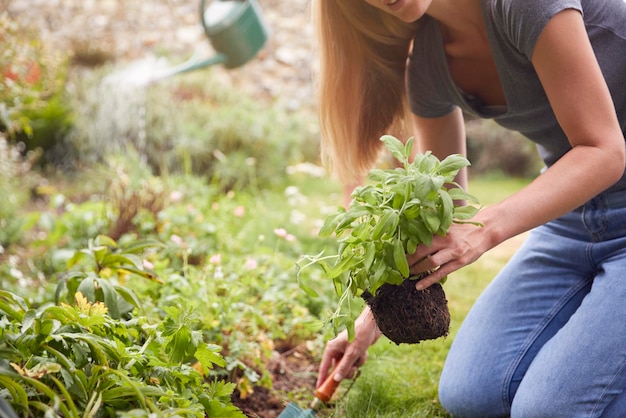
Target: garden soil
{"x": 292, "y": 371}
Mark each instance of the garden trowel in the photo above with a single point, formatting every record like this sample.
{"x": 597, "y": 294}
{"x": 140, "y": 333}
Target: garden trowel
{"x": 322, "y": 395}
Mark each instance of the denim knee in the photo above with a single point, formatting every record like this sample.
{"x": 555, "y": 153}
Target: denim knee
{"x": 541, "y": 401}
{"x": 462, "y": 396}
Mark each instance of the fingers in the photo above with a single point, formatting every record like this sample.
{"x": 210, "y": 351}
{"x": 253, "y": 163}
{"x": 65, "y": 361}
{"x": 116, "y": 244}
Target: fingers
{"x": 342, "y": 358}
{"x": 325, "y": 365}
{"x": 348, "y": 366}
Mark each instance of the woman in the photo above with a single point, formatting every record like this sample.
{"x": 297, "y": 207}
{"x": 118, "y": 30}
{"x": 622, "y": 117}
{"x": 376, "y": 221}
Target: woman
{"x": 547, "y": 337}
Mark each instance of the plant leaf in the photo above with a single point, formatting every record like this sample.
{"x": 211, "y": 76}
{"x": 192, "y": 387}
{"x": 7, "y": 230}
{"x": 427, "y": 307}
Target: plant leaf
{"x": 396, "y": 147}
{"x": 399, "y": 256}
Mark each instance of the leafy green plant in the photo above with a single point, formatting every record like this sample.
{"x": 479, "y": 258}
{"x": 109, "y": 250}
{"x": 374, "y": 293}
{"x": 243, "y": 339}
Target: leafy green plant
{"x": 75, "y": 360}
{"x": 100, "y": 263}
{"x": 403, "y": 208}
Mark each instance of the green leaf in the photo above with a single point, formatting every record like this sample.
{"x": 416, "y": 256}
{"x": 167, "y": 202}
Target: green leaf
{"x": 103, "y": 240}
{"x": 411, "y": 246}
{"x": 396, "y": 147}
{"x": 78, "y": 257}
{"x": 179, "y": 345}
{"x": 208, "y": 355}
{"x": 137, "y": 247}
{"x": 386, "y": 225}
{"x": 427, "y": 164}
{"x": 88, "y": 288}
{"x": 457, "y": 193}
{"x": 465, "y": 212}
{"x": 109, "y": 298}
{"x": 422, "y": 187}
{"x": 370, "y": 254}
{"x": 393, "y": 276}
{"x": 20, "y": 398}
{"x": 128, "y": 295}
{"x": 412, "y": 209}
{"x": 431, "y": 220}
{"x": 345, "y": 263}
{"x": 408, "y": 147}
{"x": 451, "y": 166}
{"x": 445, "y": 211}
{"x": 121, "y": 260}
{"x": 28, "y": 320}
{"x": 399, "y": 256}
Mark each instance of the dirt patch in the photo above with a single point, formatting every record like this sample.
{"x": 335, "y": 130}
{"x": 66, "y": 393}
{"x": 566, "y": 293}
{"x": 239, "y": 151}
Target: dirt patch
{"x": 293, "y": 373}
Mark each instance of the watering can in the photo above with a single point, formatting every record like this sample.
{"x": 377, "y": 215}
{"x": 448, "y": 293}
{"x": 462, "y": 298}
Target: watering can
{"x": 236, "y": 30}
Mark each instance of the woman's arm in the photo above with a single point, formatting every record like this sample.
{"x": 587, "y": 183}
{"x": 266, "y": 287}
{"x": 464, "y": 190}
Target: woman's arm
{"x": 442, "y": 136}
{"x": 573, "y": 82}
{"x": 344, "y": 357}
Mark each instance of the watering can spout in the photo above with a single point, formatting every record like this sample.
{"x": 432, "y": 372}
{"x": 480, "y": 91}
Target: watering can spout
{"x": 236, "y": 30}
{"x": 192, "y": 65}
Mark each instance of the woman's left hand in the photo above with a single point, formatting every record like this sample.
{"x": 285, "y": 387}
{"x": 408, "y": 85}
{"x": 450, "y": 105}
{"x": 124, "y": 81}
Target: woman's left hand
{"x": 462, "y": 245}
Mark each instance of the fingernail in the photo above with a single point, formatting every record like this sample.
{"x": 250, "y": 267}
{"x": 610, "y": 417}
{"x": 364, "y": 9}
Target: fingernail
{"x": 337, "y": 377}
{"x": 419, "y": 286}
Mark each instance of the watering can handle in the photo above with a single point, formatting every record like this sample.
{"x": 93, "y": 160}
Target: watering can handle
{"x": 202, "y": 9}
{"x": 202, "y": 14}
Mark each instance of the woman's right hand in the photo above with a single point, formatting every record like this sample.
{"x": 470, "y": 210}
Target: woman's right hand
{"x": 344, "y": 357}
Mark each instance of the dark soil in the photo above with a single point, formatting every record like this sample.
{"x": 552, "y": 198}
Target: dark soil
{"x": 406, "y": 315}
{"x": 293, "y": 373}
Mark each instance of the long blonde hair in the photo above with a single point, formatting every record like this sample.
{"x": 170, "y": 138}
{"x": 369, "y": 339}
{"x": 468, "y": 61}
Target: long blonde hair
{"x": 361, "y": 82}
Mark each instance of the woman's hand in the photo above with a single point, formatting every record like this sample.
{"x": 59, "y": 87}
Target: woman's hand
{"x": 462, "y": 245}
{"x": 344, "y": 357}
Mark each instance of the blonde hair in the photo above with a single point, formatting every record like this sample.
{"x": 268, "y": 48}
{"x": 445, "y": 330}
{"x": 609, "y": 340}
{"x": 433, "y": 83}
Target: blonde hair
{"x": 361, "y": 82}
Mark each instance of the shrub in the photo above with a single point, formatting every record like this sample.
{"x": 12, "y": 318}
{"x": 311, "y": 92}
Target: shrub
{"x": 32, "y": 108}
{"x": 192, "y": 125}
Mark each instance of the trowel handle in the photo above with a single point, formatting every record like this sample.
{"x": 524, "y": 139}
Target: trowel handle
{"x": 326, "y": 390}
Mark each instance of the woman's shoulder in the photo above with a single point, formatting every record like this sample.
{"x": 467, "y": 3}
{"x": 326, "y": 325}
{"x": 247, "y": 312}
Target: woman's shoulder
{"x": 521, "y": 21}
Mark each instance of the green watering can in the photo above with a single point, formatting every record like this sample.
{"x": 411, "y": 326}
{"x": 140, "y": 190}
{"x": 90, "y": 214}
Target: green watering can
{"x": 236, "y": 30}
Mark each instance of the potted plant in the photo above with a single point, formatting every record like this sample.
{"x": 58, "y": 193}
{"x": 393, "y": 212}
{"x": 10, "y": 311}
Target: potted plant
{"x": 388, "y": 218}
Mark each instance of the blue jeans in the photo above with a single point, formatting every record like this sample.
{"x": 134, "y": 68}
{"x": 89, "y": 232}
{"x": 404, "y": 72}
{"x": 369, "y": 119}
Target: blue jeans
{"x": 547, "y": 338}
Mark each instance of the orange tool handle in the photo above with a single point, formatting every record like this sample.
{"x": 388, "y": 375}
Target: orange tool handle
{"x": 326, "y": 390}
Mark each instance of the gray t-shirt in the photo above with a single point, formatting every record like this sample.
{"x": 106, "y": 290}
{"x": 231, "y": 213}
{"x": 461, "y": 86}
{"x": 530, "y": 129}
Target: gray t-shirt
{"x": 513, "y": 27}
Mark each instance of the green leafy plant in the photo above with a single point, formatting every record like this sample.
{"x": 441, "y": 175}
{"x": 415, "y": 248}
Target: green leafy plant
{"x": 401, "y": 209}
{"x": 76, "y": 360}
{"x": 98, "y": 267}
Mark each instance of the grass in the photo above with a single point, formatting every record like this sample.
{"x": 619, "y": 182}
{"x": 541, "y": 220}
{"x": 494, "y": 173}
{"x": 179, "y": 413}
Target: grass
{"x": 401, "y": 381}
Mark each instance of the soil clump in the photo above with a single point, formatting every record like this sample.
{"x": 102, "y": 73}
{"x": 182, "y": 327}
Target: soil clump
{"x": 407, "y": 315}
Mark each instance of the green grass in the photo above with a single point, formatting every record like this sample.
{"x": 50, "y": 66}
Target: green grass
{"x": 401, "y": 381}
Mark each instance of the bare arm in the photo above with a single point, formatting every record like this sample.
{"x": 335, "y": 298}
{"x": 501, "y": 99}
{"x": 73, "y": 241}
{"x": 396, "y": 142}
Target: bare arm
{"x": 442, "y": 136}
{"x": 571, "y": 77}
{"x": 344, "y": 357}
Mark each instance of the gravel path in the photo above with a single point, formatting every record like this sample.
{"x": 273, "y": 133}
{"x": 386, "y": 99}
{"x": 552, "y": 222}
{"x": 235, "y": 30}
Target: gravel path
{"x": 129, "y": 30}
